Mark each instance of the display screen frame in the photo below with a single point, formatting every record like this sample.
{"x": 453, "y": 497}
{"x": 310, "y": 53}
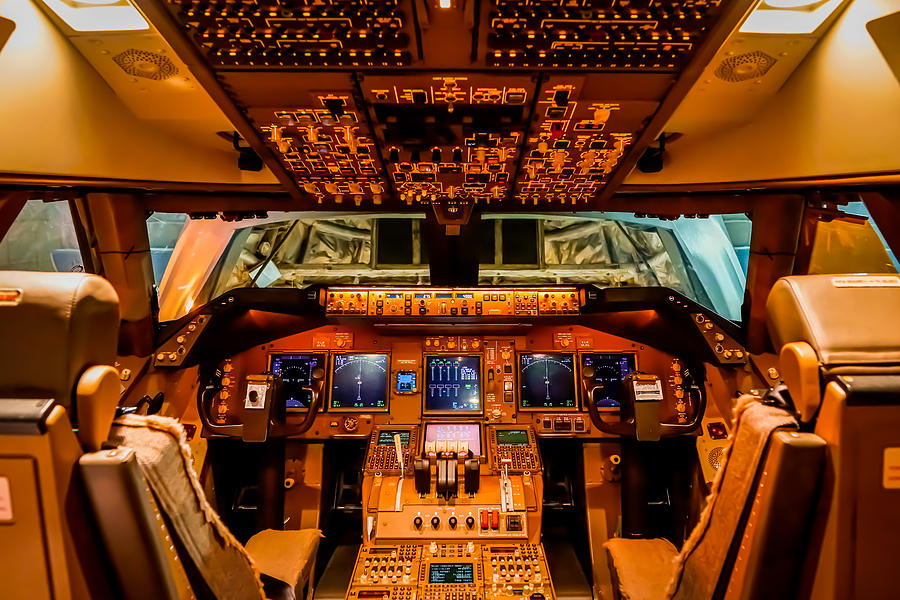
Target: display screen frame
{"x": 359, "y": 409}
{"x": 481, "y": 454}
{"x": 325, "y": 363}
{"x": 425, "y": 382}
{"x": 585, "y": 385}
{"x": 549, "y": 409}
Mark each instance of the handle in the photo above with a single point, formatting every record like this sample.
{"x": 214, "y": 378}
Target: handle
{"x": 623, "y": 428}
{"x": 308, "y": 420}
{"x": 673, "y": 429}
{"x": 204, "y": 405}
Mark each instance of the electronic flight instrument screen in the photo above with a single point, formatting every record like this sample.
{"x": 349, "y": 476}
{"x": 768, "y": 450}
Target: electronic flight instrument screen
{"x": 548, "y": 381}
{"x": 295, "y": 371}
{"x": 609, "y": 371}
{"x": 359, "y": 381}
{"x": 452, "y": 384}
{"x": 512, "y": 437}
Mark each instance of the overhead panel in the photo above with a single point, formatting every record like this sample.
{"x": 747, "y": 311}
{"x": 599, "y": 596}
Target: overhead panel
{"x": 402, "y": 103}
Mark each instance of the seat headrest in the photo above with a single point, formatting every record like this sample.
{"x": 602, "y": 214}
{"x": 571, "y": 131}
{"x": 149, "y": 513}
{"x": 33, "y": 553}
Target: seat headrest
{"x": 54, "y": 327}
{"x": 846, "y": 319}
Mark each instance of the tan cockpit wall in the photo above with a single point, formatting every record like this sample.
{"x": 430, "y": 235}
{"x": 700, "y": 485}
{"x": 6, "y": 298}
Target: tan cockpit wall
{"x": 62, "y": 118}
{"x": 835, "y": 115}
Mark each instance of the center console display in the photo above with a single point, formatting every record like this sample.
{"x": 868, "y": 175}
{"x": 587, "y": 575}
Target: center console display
{"x": 463, "y": 572}
{"x": 359, "y": 381}
{"x": 455, "y": 432}
{"x": 609, "y": 371}
{"x": 452, "y": 384}
{"x": 548, "y": 381}
{"x": 295, "y": 371}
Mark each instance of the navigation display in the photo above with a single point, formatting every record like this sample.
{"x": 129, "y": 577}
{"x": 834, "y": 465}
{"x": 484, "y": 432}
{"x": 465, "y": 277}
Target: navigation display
{"x": 295, "y": 372}
{"x": 609, "y": 371}
{"x": 359, "y": 381}
{"x": 453, "y": 384}
{"x": 514, "y": 437}
{"x": 548, "y": 381}
{"x": 455, "y": 432}
{"x": 386, "y": 437}
{"x": 451, "y": 573}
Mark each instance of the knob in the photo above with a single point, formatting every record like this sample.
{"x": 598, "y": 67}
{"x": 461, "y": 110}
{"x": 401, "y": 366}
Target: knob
{"x": 451, "y": 522}
{"x": 470, "y": 522}
{"x": 417, "y": 522}
{"x": 435, "y": 522}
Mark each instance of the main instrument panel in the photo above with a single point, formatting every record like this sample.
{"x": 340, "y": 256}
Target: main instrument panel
{"x": 500, "y": 103}
{"x": 372, "y": 378}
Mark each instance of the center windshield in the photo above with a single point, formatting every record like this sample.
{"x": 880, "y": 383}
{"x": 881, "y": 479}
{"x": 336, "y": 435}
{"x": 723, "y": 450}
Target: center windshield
{"x": 702, "y": 258}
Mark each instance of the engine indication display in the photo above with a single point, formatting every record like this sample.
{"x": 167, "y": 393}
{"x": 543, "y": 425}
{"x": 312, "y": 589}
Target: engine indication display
{"x": 547, "y": 381}
{"x": 453, "y": 384}
{"x": 609, "y": 372}
{"x": 359, "y": 382}
{"x": 295, "y": 371}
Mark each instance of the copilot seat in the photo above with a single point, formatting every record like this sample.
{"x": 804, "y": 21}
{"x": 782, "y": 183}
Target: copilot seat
{"x": 839, "y": 343}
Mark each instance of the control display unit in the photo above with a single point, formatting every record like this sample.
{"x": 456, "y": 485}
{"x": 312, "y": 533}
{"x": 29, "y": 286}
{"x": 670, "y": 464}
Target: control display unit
{"x": 450, "y": 435}
{"x": 547, "y": 381}
{"x": 452, "y": 384}
{"x": 295, "y": 371}
{"x": 457, "y": 572}
{"x": 406, "y": 382}
{"x": 359, "y": 381}
{"x": 609, "y": 370}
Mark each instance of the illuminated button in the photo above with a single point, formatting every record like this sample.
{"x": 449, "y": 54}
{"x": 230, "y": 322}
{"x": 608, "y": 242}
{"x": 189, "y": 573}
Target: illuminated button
{"x": 676, "y": 366}
{"x": 708, "y": 325}
{"x": 495, "y": 519}
{"x": 226, "y": 381}
{"x": 224, "y": 394}
{"x": 679, "y": 393}
{"x": 485, "y": 519}
{"x": 227, "y": 368}
{"x": 180, "y": 339}
{"x": 719, "y": 337}
{"x": 677, "y": 380}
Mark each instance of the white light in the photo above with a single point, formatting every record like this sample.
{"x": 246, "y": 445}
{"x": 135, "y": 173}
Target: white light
{"x": 789, "y": 16}
{"x": 98, "y": 15}
{"x": 444, "y": 3}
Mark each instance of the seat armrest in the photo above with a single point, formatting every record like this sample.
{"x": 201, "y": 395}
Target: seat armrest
{"x": 287, "y": 555}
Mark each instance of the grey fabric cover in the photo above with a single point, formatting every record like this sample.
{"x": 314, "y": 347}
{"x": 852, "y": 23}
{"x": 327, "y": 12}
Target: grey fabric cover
{"x": 164, "y": 457}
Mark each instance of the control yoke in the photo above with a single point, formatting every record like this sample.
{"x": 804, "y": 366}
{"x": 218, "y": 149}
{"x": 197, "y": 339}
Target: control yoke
{"x": 639, "y": 416}
{"x": 265, "y": 412}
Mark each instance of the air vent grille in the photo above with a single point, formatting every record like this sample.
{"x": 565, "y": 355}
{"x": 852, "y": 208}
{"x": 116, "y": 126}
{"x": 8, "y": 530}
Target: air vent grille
{"x": 742, "y": 67}
{"x": 148, "y": 65}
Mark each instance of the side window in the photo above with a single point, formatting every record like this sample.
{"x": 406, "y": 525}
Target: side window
{"x": 42, "y": 238}
{"x": 163, "y": 230}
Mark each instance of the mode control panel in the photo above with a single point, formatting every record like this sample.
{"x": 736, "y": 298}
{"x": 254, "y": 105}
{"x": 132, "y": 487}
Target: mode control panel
{"x": 452, "y": 302}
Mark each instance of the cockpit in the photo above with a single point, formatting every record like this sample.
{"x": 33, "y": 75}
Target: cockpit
{"x": 449, "y": 299}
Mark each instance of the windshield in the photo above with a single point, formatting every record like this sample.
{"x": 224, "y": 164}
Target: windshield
{"x": 703, "y": 258}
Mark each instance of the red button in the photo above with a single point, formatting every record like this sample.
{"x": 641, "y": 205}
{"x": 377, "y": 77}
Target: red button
{"x": 485, "y": 518}
{"x": 495, "y": 519}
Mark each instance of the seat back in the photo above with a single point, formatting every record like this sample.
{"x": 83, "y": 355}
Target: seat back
{"x": 60, "y": 333}
{"x": 746, "y": 542}
{"x": 201, "y": 557}
{"x": 839, "y": 341}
